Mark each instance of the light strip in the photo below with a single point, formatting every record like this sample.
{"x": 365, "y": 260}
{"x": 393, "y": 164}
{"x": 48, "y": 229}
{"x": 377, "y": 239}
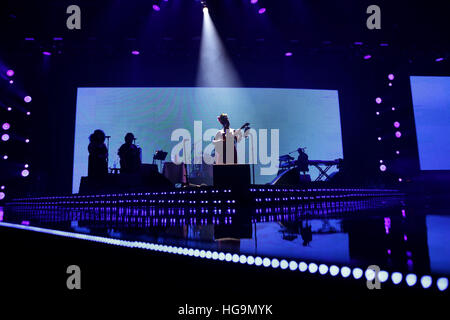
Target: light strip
{"x": 411, "y": 279}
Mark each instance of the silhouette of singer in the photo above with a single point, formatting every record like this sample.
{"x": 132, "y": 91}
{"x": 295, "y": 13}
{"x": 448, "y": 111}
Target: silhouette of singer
{"x": 130, "y": 158}
{"x": 98, "y": 155}
{"x": 225, "y": 142}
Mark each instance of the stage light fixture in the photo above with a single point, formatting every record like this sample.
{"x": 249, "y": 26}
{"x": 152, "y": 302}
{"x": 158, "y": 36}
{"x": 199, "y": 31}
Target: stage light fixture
{"x": 10, "y": 73}
{"x": 135, "y": 52}
{"x": 439, "y": 59}
{"x": 27, "y": 140}
{"x": 396, "y": 124}
{"x": 253, "y": 1}
{"x": 28, "y": 113}
{"x": 323, "y": 269}
{"x": 357, "y": 273}
{"x": 313, "y": 267}
{"x": 11, "y": 81}
{"x": 383, "y": 168}
{"x": 5, "y": 157}
{"x": 302, "y": 266}
{"x": 378, "y": 100}
{"x": 2, "y": 195}
{"x": 293, "y": 265}
{"x": 397, "y": 152}
{"x": 6, "y": 126}
{"x": 156, "y": 7}
{"x": 262, "y": 10}
{"x": 411, "y": 279}
{"x": 379, "y": 138}
{"x": 27, "y": 99}
{"x": 334, "y": 270}
{"x": 46, "y": 53}
{"x": 25, "y": 166}
{"x": 391, "y": 76}
{"x": 345, "y": 271}
{"x": 5, "y": 137}
{"x": 367, "y": 57}
{"x": 383, "y": 276}
{"x": 378, "y": 113}
{"x": 390, "y": 84}
{"x": 288, "y": 54}
{"x": 25, "y": 173}
{"x": 398, "y": 134}
{"x": 442, "y": 284}
{"x": 9, "y": 109}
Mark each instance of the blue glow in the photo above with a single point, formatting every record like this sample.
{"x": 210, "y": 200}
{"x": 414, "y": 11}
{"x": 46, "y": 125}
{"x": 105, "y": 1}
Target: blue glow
{"x": 357, "y": 273}
{"x": 167, "y": 109}
{"x": 431, "y": 99}
{"x": 302, "y": 266}
{"x": 426, "y": 282}
{"x": 323, "y": 269}
{"x": 442, "y": 284}
{"x": 345, "y": 271}
{"x": 397, "y": 277}
{"x": 411, "y": 279}
{"x": 334, "y": 270}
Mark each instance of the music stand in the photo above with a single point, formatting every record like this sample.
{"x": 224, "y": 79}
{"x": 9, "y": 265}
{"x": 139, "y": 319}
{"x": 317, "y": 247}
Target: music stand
{"x": 159, "y": 155}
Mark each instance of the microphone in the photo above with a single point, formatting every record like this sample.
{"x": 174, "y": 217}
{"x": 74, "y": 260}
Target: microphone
{"x": 107, "y": 136}
{"x": 245, "y": 125}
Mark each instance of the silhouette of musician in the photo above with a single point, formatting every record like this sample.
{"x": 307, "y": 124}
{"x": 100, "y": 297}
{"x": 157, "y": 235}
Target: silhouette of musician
{"x": 225, "y": 142}
{"x": 130, "y": 158}
{"x": 302, "y": 161}
{"x": 98, "y": 155}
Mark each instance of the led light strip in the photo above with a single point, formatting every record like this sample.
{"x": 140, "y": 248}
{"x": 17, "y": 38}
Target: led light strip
{"x": 396, "y": 277}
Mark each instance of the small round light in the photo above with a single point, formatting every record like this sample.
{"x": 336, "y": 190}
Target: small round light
{"x": 442, "y": 284}
{"x": 400, "y": 179}
{"x": 411, "y": 279}
{"x": 250, "y": 260}
{"x": 345, "y": 271}
{"x": 323, "y": 269}
{"x": 5, "y": 157}
{"x": 253, "y": 1}
{"x": 426, "y": 282}
{"x": 284, "y": 264}
{"x": 262, "y": 10}
{"x": 2, "y": 195}
{"x": 27, "y": 140}
{"x": 156, "y": 7}
{"x": 370, "y": 274}
{"x": 378, "y": 100}
{"x": 25, "y": 173}
{"x": 397, "y": 124}
{"x": 205, "y": 10}
{"x": 398, "y": 134}
{"x": 28, "y": 113}
{"x": 313, "y": 268}
{"x": 26, "y": 166}
{"x": 11, "y": 81}
{"x": 383, "y": 168}
{"x": 10, "y": 73}
{"x": 2, "y": 187}
{"x": 396, "y": 277}
{"x": 391, "y": 76}
{"x": 46, "y": 53}
{"x": 383, "y": 276}
{"x": 367, "y": 57}
{"x": 266, "y": 262}
{"x": 5, "y": 137}
{"x": 381, "y": 161}
{"x": 9, "y": 109}
{"x": 357, "y": 273}
{"x": 135, "y": 52}
{"x": 293, "y": 265}
{"x": 258, "y": 261}
{"x": 27, "y": 99}
{"x": 6, "y": 126}
{"x": 302, "y": 266}
{"x": 334, "y": 270}
{"x": 379, "y": 138}
{"x": 390, "y": 84}
{"x": 243, "y": 259}
{"x": 397, "y": 152}
{"x": 378, "y": 113}
{"x": 288, "y": 54}
{"x": 275, "y": 263}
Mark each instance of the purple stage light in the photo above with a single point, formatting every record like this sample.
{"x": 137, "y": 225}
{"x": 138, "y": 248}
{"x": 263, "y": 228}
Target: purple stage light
{"x": 396, "y": 124}
{"x": 29, "y": 39}
{"x": 46, "y": 53}
{"x": 383, "y": 167}
{"x": 6, "y": 126}
{"x": 262, "y": 10}
{"x": 2, "y": 187}
{"x": 391, "y": 76}
{"x": 2, "y": 195}
{"x": 393, "y": 109}
{"x": 11, "y": 81}
{"x": 28, "y": 113}
{"x": 288, "y": 54}
{"x": 397, "y": 152}
{"x": 367, "y": 57}
{"x": 384, "y": 44}
{"x": 9, "y": 109}
{"x": 378, "y": 100}
{"x": 27, "y": 99}
{"x": 10, "y": 73}
{"x": 398, "y": 134}
{"x": 439, "y": 59}
{"x": 135, "y": 52}
{"x": 5, "y": 157}
{"x": 390, "y": 84}
{"x": 156, "y": 7}
{"x": 25, "y": 173}
{"x": 253, "y": 1}
{"x": 381, "y": 161}
{"x": 378, "y": 113}
{"x": 5, "y": 137}
{"x": 358, "y": 43}
{"x": 27, "y": 140}
{"x": 57, "y": 38}
{"x": 400, "y": 179}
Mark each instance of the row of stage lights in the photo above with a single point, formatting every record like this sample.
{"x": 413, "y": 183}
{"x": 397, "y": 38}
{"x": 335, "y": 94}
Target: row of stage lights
{"x": 357, "y": 273}
{"x": 7, "y": 136}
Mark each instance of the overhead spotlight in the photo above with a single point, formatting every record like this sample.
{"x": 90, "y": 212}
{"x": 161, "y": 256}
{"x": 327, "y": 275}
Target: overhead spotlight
{"x": 27, "y": 99}
{"x": 398, "y": 134}
{"x": 367, "y": 57}
{"x": 391, "y": 76}
{"x": 10, "y": 73}
{"x": 383, "y": 168}
{"x": 28, "y": 113}
{"x": 439, "y": 59}
{"x": 205, "y": 6}
{"x": 378, "y": 100}
{"x": 27, "y": 140}
{"x": 5, "y": 137}
{"x": 262, "y": 10}
{"x": 396, "y": 124}
{"x": 288, "y": 54}
{"x": 11, "y": 81}
{"x": 2, "y": 195}
{"x": 5, "y": 157}
{"x": 253, "y": 1}
{"x": 25, "y": 173}
{"x": 46, "y": 53}
{"x": 6, "y": 126}
{"x": 135, "y": 52}
{"x": 9, "y": 109}
{"x": 156, "y": 7}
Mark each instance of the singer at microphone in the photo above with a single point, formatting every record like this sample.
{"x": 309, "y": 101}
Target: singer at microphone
{"x": 226, "y": 139}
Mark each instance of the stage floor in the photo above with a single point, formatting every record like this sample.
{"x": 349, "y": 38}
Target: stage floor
{"x": 330, "y": 237}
